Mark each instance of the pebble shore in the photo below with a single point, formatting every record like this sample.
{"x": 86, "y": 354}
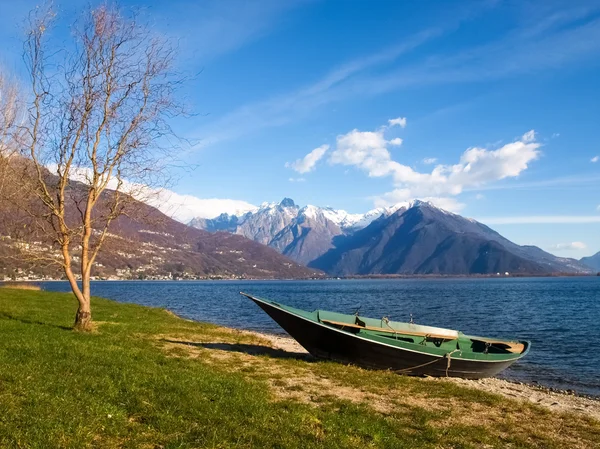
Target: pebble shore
{"x": 564, "y": 401}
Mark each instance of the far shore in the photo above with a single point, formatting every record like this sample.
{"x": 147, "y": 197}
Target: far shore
{"x": 335, "y": 278}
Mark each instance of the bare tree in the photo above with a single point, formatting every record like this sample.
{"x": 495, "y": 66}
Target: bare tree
{"x": 97, "y": 113}
{"x": 10, "y": 113}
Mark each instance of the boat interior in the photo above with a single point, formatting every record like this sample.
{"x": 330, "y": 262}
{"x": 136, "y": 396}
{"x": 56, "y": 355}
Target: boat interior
{"x": 418, "y": 334}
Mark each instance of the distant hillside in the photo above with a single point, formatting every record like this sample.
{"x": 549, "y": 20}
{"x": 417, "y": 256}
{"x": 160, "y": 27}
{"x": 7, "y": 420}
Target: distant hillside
{"x": 592, "y": 261}
{"x": 147, "y": 244}
{"x": 423, "y": 239}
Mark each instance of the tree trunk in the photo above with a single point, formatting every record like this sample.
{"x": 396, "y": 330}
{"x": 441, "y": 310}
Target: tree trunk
{"x": 83, "y": 319}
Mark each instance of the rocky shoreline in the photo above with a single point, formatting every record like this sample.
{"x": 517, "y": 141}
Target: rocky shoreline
{"x": 557, "y": 400}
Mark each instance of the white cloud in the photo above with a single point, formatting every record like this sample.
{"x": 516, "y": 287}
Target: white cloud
{"x": 177, "y": 206}
{"x": 400, "y": 121}
{"x": 479, "y": 196}
{"x": 368, "y": 151}
{"x": 529, "y": 136}
{"x": 185, "y": 207}
{"x": 595, "y": 159}
{"x": 308, "y": 162}
{"x": 430, "y": 160}
{"x": 296, "y": 179}
{"x": 573, "y": 246}
{"x": 542, "y": 219}
{"x": 397, "y": 141}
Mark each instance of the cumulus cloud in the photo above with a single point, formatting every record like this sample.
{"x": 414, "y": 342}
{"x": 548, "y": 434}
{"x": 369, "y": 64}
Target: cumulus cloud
{"x": 400, "y": 121}
{"x": 308, "y": 162}
{"x": 430, "y": 160}
{"x": 177, "y": 206}
{"x": 367, "y": 150}
{"x": 185, "y": 207}
{"x": 573, "y": 246}
{"x": 595, "y": 159}
{"x": 397, "y": 141}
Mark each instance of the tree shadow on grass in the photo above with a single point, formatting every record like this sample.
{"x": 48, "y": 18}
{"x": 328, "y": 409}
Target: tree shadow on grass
{"x": 40, "y": 323}
{"x": 249, "y": 349}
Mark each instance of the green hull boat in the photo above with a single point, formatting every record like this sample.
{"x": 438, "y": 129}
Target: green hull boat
{"x": 407, "y": 348}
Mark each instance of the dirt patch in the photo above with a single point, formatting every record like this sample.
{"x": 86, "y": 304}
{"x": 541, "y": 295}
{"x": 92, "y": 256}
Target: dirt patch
{"x": 313, "y": 389}
{"x": 277, "y": 341}
{"x": 301, "y": 384}
{"x": 286, "y": 383}
{"x": 551, "y": 400}
{"x": 21, "y": 286}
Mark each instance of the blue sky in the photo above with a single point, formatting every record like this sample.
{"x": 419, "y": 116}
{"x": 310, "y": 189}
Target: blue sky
{"x": 488, "y": 108}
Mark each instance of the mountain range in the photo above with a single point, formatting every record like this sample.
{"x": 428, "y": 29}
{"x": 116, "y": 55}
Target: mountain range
{"x": 301, "y": 233}
{"x": 407, "y": 238}
{"x": 279, "y": 240}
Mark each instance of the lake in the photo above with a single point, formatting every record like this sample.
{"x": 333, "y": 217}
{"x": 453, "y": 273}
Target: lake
{"x": 560, "y": 316}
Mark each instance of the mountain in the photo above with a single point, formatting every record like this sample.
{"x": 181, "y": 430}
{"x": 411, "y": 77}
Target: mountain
{"x": 592, "y": 261}
{"x": 303, "y": 234}
{"x": 408, "y": 238}
{"x": 306, "y": 236}
{"x": 268, "y": 221}
{"x": 423, "y": 239}
{"x": 144, "y": 243}
{"x": 223, "y": 222}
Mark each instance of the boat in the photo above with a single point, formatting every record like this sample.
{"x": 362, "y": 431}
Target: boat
{"x": 405, "y": 348}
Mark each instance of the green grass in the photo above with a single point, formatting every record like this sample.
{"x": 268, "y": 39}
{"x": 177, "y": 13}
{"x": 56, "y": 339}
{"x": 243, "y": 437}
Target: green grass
{"x": 131, "y": 383}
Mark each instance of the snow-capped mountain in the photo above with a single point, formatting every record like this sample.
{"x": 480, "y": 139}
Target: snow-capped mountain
{"x": 407, "y": 238}
{"x": 300, "y": 233}
{"x": 420, "y": 238}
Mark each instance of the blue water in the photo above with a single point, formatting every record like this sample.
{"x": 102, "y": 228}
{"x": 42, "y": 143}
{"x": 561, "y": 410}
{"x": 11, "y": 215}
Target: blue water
{"x": 560, "y": 316}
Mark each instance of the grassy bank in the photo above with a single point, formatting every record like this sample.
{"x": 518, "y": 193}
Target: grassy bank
{"x": 146, "y": 378}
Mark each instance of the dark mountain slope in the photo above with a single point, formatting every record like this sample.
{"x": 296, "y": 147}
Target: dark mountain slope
{"x": 592, "y": 261}
{"x": 423, "y": 239}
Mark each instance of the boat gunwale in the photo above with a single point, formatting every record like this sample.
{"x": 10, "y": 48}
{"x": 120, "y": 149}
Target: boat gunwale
{"x": 401, "y": 348}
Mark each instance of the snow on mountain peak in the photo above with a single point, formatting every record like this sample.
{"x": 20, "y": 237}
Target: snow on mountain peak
{"x": 339, "y": 217}
{"x": 309, "y": 211}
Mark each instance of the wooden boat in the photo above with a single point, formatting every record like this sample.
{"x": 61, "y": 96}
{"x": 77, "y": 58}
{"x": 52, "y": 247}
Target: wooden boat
{"x": 406, "y": 348}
